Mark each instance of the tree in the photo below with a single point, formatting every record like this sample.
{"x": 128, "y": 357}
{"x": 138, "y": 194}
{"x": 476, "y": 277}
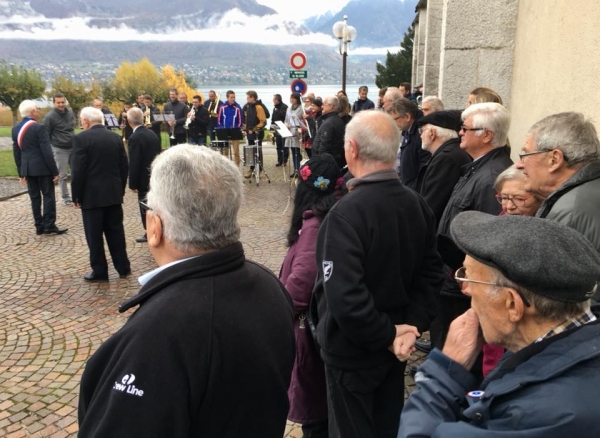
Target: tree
{"x": 133, "y": 79}
{"x": 173, "y": 79}
{"x": 77, "y": 93}
{"x": 398, "y": 66}
{"x": 18, "y": 84}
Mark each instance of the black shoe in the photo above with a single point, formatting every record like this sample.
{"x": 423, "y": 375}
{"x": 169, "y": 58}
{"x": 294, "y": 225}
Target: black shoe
{"x": 94, "y": 278}
{"x": 56, "y": 230}
{"x": 39, "y": 231}
{"x": 278, "y": 165}
{"x": 412, "y": 369}
{"x": 423, "y": 345}
{"x": 294, "y": 174}
{"x": 142, "y": 239}
{"x": 126, "y": 274}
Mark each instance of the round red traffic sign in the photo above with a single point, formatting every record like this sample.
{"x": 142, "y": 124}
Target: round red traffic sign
{"x": 298, "y": 60}
{"x": 299, "y": 86}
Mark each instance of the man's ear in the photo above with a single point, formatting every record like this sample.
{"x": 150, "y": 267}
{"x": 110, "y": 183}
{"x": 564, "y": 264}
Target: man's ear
{"x": 514, "y": 305}
{"x": 353, "y": 149}
{"x": 154, "y": 231}
{"x": 556, "y": 159}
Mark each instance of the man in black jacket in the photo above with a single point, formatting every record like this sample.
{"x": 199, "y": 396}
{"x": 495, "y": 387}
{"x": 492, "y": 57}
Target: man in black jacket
{"x": 439, "y": 136}
{"x": 143, "y": 149}
{"x": 151, "y": 110}
{"x": 175, "y": 127}
{"x": 484, "y": 134}
{"x": 98, "y": 179}
{"x": 210, "y": 349}
{"x": 379, "y": 271}
{"x": 197, "y": 122}
{"x": 212, "y": 104}
{"x": 36, "y": 167}
{"x": 411, "y": 156}
{"x": 330, "y": 134}
{"x": 279, "y": 112}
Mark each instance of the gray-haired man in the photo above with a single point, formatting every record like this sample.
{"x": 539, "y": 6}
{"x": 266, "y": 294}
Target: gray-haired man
{"x": 210, "y": 350}
{"x": 530, "y": 282}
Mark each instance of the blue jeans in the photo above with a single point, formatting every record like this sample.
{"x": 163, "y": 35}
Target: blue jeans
{"x": 200, "y": 141}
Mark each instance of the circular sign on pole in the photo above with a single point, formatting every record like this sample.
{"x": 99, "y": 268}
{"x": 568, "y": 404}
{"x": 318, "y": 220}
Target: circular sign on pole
{"x": 299, "y": 86}
{"x": 298, "y": 60}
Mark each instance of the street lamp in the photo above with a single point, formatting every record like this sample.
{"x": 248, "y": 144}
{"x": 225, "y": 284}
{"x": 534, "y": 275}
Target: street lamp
{"x": 346, "y": 34}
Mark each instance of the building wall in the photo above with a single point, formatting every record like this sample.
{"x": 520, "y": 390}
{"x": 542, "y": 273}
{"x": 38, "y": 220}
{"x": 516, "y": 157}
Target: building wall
{"x": 556, "y": 63}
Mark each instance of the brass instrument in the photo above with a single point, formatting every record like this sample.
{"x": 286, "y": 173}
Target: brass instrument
{"x": 172, "y": 137}
{"x": 191, "y": 114}
{"x": 147, "y": 120}
{"x": 215, "y": 106}
{"x": 123, "y": 126}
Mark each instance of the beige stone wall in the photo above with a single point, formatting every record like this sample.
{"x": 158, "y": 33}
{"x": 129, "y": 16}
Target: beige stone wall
{"x": 556, "y": 63}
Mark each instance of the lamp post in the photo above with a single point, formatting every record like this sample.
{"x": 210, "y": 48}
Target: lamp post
{"x": 345, "y": 34}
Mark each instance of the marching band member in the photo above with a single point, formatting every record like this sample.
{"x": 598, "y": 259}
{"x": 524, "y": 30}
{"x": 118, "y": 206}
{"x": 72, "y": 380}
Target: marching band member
{"x": 197, "y": 123}
{"x": 230, "y": 116}
{"x": 179, "y": 110}
{"x": 212, "y": 105}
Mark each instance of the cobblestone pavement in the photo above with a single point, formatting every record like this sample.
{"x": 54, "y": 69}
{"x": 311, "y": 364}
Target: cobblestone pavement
{"x": 52, "y": 321}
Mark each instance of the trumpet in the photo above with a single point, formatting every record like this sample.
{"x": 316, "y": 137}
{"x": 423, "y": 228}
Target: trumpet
{"x": 191, "y": 114}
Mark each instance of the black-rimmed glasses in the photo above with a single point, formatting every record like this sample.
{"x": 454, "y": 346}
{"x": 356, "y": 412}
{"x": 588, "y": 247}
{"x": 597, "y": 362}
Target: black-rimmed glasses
{"x": 460, "y": 277}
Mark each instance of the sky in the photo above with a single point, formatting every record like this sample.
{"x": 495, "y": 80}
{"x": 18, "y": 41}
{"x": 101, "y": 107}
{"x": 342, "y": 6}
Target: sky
{"x": 303, "y": 9}
{"x": 239, "y": 28}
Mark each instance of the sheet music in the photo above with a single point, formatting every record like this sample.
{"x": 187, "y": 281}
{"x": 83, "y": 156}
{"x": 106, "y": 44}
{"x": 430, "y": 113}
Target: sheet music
{"x": 283, "y": 130}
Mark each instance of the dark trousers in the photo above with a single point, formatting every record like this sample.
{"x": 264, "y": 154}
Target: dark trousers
{"x": 179, "y": 139}
{"x": 142, "y": 197}
{"x": 296, "y": 157}
{"x": 200, "y": 140}
{"x": 42, "y": 187}
{"x": 315, "y": 430}
{"x": 365, "y": 403}
{"x": 256, "y": 138}
{"x": 105, "y": 221}
{"x": 212, "y": 124}
{"x": 282, "y": 152}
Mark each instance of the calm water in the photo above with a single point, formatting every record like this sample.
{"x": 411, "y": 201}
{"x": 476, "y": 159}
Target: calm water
{"x": 266, "y": 92}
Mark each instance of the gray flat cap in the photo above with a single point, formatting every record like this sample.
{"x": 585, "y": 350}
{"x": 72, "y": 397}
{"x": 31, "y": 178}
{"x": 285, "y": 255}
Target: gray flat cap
{"x": 541, "y": 255}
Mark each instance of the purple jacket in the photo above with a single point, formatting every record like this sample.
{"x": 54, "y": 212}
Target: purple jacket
{"x": 307, "y": 392}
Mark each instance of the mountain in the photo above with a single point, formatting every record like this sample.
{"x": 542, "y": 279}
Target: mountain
{"x": 380, "y": 23}
{"x": 141, "y": 15}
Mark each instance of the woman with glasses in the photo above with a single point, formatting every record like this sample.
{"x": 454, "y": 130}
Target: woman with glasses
{"x": 511, "y": 194}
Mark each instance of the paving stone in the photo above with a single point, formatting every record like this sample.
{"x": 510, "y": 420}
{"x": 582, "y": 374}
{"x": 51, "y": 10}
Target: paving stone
{"x": 52, "y": 320}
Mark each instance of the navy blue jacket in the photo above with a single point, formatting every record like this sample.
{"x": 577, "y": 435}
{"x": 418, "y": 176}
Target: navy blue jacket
{"x": 548, "y": 389}
{"x": 34, "y": 157}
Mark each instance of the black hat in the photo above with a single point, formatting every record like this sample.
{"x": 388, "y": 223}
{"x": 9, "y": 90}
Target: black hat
{"x": 316, "y": 101}
{"x": 449, "y": 119}
{"x": 541, "y": 255}
{"x": 321, "y": 173}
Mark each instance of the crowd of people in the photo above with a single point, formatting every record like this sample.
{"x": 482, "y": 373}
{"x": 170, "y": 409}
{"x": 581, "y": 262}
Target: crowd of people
{"x": 408, "y": 218}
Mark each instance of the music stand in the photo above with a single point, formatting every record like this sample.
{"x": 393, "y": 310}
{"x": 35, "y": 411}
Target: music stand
{"x": 110, "y": 121}
{"x": 229, "y": 134}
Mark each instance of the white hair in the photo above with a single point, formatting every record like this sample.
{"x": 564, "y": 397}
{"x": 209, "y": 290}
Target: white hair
{"x": 491, "y": 116}
{"x": 333, "y": 101}
{"x": 197, "y": 194}
{"x": 443, "y": 133}
{"x": 435, "y": 103}
{"x": 91, "y": 114}
{"x": 27, "y": 107}
{"x": 509, "y": 174}
{"x": 569, "y": 132}
{"x": 376, "y": 136}
{"x": 135, "y": 116}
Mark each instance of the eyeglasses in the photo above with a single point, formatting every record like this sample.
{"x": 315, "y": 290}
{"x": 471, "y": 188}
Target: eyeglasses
{"x": 460, "y": 277}
{"x": 145, "y": 207}
{"x": 421, "y": 130}
{"x": 519, "y": 201}
{"x": 466, "y": 128}
{"x": 523, "y": 155}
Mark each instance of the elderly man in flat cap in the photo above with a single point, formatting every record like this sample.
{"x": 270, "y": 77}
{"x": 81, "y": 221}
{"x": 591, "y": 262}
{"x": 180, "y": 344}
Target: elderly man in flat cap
{"x": 530, "y": 281}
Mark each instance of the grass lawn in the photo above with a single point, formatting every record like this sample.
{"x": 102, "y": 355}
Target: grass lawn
{"x": 7, "y": 164}
{"x": 5, "y": 131}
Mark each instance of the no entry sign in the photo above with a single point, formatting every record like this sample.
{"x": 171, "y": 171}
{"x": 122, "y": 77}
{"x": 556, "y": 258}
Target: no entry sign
{"x": 299, "y": 86}
{"x": 298, "y": 60}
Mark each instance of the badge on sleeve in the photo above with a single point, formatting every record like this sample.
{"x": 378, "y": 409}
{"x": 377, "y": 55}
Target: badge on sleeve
{"x": 327, "y": 269}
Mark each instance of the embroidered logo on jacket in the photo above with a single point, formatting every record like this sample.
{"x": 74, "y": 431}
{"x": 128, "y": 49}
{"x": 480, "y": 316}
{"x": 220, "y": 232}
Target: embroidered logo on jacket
{"x": 126, "y": 385}
{"x": 327, "y": 269}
